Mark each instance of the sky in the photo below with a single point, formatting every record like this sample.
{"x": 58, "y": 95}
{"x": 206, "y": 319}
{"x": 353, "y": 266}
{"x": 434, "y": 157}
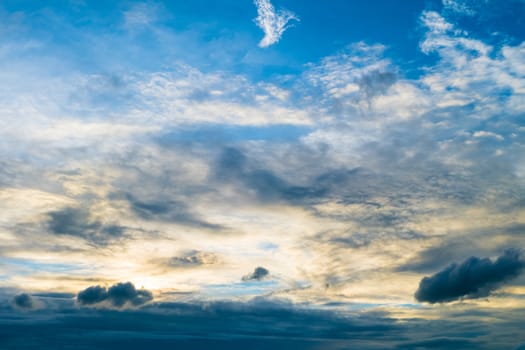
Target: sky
{"x": 242, "y": 174}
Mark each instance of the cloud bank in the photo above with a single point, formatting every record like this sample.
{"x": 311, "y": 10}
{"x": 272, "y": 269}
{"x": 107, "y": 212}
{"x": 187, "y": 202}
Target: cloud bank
{"x": 272, "y": 22}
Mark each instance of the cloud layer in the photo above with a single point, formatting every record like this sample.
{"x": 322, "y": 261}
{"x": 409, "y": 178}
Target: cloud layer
{"x": 252, "y": 324}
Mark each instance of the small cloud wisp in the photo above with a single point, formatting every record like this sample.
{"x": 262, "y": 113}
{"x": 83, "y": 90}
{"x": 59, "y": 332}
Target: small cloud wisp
{"x": 272, "y": 22}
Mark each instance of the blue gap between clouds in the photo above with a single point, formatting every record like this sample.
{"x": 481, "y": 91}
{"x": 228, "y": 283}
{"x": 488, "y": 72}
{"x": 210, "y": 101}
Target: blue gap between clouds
{"x": 222, "y": 133}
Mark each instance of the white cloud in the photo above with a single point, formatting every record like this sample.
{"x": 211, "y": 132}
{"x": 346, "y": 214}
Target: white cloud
{"x": 272, "y": 22}
{"x": 483, "y": 133}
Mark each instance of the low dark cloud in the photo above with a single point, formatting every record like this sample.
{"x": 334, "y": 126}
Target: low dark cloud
{"x": 23, "y": 301}
{"x": 119, "y": 295}
{"x": 79, "y": 223}
{"x": 259, "y": 323}
{"x": 475, "y": 277}
{"x": 255, "y": 324}
{"x": 258, "y": 274}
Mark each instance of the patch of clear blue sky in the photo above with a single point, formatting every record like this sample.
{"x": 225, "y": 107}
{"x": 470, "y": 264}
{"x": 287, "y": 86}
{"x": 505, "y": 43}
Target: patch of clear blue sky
{"x": 221, "y": 34}
{"x": 216, "y": 133}
{"x": 250, "y": 288}
{"x": 29, "y": 266}
{"x": 90, "y": 36}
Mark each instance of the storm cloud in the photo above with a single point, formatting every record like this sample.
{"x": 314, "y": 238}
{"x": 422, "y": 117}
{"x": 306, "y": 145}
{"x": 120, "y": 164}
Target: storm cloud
{"x": 119, "y": 295}
{"x": 475, "y": 277}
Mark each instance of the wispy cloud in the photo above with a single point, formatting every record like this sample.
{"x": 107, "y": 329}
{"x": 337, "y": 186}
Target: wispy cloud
{"x": 460, "y": 7}
{"x": 272, "y": 22}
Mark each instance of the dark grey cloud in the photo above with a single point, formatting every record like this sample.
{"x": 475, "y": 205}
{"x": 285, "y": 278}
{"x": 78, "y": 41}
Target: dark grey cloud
{"x": 92, "y": 295}
{"x": 71, "y": 221}
{"x": 78, "y": 222}
{"x": 167, "y": 210}
{"x": 475, "y": 277}
{"x": 234, "y": 166}
{"x": 119, "y": 295}
{"x": 258, "y": 274}
{"x": 23, "y": 301}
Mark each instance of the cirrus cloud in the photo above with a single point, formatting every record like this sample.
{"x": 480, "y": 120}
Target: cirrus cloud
{"x": 272, "y": 22}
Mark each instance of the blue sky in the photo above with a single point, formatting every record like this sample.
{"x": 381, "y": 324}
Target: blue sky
{"x": 254, "y": 174}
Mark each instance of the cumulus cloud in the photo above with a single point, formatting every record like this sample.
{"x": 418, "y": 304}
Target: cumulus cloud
{"x": 118, "y": 295}
{"x": 472, "y": 278}
{"x": 483, "y": 133}
{"x": 23, "y": 301}
{"x": 460, "y": 7}
{"x": 258, "y": 274}
{"x": 272, "y": 22}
